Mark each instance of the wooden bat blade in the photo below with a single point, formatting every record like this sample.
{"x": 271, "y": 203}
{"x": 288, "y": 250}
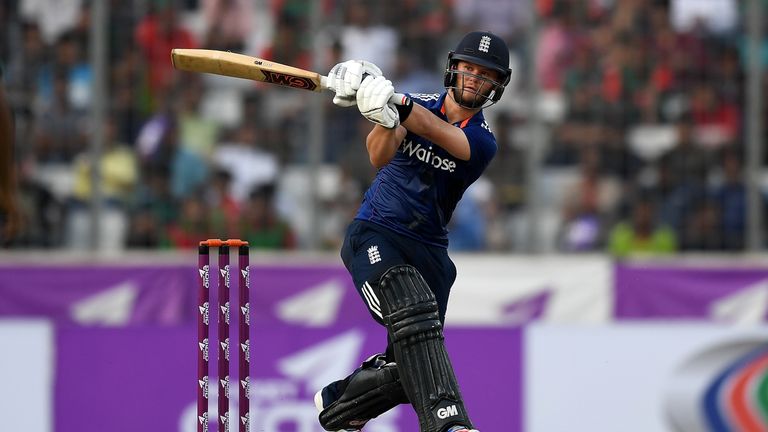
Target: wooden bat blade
{"x": 253, "y": 68}
{"x": 243, "y": 66}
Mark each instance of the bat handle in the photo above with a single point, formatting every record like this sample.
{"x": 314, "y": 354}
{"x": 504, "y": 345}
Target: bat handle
{"x": 397, "y": 98}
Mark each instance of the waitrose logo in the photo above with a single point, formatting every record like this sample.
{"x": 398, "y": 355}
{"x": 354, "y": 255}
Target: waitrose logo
{"x": 425, "y": 155}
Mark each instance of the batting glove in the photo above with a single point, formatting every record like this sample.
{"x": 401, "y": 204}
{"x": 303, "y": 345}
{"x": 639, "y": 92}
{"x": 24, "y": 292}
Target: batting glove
{"x": 345, "y": 79}
{"x": 373, "y": 101}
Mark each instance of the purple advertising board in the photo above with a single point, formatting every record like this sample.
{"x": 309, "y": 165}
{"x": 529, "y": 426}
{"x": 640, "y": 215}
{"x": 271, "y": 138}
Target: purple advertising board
{"x": 111, "y": 295}
{"x": 143, "y": 378}
{"x": 126, "y": 351}
{"x": 654, "y": 291}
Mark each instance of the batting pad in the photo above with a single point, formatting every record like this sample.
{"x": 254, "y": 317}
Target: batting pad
{"x": 416, "y": 333}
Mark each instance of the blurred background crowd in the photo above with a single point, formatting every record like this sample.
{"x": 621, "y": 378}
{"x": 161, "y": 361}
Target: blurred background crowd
{"x": 623, "y": 127}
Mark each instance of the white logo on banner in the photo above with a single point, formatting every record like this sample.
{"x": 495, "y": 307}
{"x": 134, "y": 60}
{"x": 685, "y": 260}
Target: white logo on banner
{"x": 746, "y": 306}
{"x": 112, "y": 306}
{"x": 317, "y": 306}
{"x": 286, "y": 402}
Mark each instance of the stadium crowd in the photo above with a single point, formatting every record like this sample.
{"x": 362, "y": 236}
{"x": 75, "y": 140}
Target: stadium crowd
{"x": 641, "y": 101}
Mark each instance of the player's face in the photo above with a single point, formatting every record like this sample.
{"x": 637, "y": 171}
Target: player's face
{"x": 473, "y": 81}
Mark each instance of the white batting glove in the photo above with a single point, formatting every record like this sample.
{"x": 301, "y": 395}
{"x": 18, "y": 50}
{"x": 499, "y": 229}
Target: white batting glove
{"x": 373, "y": 101}
{"x": 345, "y": 78}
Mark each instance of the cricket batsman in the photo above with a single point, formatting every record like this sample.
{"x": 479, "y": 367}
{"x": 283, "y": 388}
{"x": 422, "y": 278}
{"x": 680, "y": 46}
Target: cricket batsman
{"x": 428, "y": 151}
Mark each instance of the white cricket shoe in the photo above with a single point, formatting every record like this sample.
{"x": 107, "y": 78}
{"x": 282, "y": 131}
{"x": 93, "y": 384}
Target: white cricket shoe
{"x": 461, "y": 429}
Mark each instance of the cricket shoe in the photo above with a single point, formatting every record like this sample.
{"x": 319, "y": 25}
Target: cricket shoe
{"x": 461, "y": 429}
{"x": 326, "y": 396}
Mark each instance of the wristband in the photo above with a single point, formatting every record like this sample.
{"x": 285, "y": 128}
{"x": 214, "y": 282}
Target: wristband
{"x": 403, "y": 111}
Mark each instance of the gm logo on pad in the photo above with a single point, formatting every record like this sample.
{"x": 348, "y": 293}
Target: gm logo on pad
{"x": 721, "y": 389}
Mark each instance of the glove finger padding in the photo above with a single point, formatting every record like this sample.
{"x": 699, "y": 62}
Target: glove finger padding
{"x": 344, "y": 101}
{"x": 370, "y": 68}
{"x": 344, "y": 79}
{"x": 372, "y": 101}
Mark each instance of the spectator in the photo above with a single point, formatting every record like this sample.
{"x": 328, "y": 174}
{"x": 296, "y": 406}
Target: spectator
{"x": 197, "y": 133}
{"x": 289, "y": 45}
{"x": 260, "y": 224}
{"x": 117, "y": 178}
{"x": 154, "y": 195}
{"x": 642, "y": 235}
{"x": 24, "y": 67}
{"x": 224, "y": 208}
{"x": 731, "y": 196}
{"x": 69, "y": 62}
{"x": 703, "y": 228}
{"x": 468, "y": 229}
{"x": 144, "y": 230}
{"x": 717, "y": 121}
{"x": 364, "y": 39}
{"x": 557, "y": 34}
{"x": 156, "y": 34}
{"x": 159, "y": 145}
{"x": 9, "y": 207}
{"x": 250, "y": 166}
{"x": 590, "y": 203}
{"x": 686, "y": 168}
{"x": 228, "y": 23}
{"x": 60, "y": 126}
{"x": 192, "y": 225}
{"x": 53, "y": 17}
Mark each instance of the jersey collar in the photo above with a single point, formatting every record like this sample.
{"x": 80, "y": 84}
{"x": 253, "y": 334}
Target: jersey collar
{"x": 460, "y": 124}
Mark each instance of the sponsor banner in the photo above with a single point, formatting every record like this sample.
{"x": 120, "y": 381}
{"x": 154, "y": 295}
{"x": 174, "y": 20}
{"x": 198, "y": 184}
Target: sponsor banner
{"x": 502, "y": 290}
{"x": 143, "y": 378}
{"x": 26, "y": 375}
{"x": 489, "y": 291}
{"x": 646, "y": 378}
{"x": 102, "y": 295}
{"x": 732, "y": 294}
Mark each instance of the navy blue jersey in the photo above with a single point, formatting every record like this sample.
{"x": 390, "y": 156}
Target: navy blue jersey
{"x": 416, "y": 192}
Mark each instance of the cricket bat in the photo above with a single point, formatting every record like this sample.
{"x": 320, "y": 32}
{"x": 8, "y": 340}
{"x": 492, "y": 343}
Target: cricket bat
{"x": 253, "y": 68}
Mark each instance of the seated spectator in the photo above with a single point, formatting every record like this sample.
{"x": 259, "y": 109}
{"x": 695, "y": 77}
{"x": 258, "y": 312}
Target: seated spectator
{"x": 717, "y": 121}
{"x": 685, "y": 171}
{"x": 156, "y": 34}
{"x": 642, "y": 235}
{"x": 260, "y": 224}
{"x": 731, "y": 195}
{"x": 469, "y": 222}
{"x": 228, "y": 23}
{"x": 197, "y": 133}
{"x": 702, "y": 230}
{"x": 590, "y": 202}
{"x": 154, "y": 194}
{"x": 60, "y": 127}
{"x": 159, "y": 145}
{"x": 224, "y": 208}
{"x": 69, "y": 62}
{"x": 144, "y": 230}
{"x": 117, "y": 178}
{"x": 192, "y": 226}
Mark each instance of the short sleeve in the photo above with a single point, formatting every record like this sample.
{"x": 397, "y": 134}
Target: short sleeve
{"x": 482, "y": 144}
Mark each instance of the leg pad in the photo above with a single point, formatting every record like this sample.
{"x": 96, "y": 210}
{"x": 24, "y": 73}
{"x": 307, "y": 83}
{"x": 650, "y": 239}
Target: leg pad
{"x": 416, "y": 333}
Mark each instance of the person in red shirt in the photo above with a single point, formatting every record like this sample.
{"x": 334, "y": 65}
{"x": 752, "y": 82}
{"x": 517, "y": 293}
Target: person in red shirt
{"x": 9, "y": 212}
{"x": 156, "y": 35}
